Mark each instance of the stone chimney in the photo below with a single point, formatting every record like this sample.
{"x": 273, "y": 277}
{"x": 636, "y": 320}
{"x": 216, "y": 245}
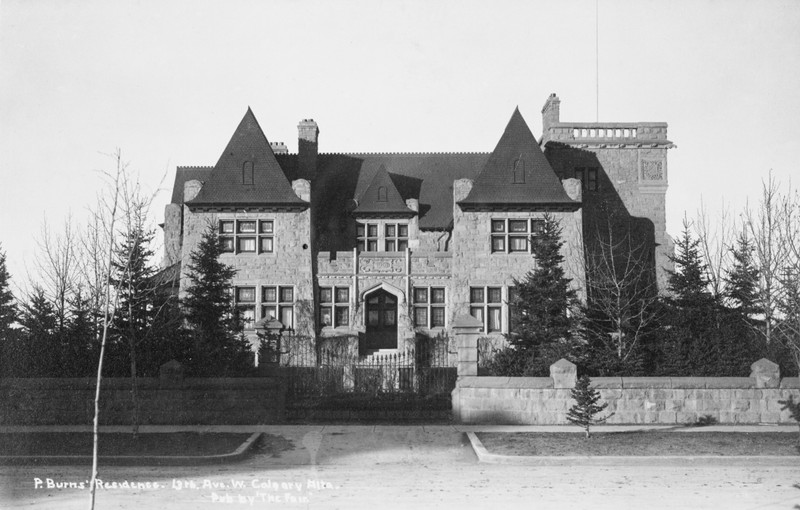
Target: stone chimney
{"x": 551, "y": 112}
{"x": 307, "y": 134}
{"x": 279, "y": 148}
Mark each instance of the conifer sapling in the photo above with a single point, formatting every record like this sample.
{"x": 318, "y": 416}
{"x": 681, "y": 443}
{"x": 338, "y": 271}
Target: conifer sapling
{"x": 586, "y": 406}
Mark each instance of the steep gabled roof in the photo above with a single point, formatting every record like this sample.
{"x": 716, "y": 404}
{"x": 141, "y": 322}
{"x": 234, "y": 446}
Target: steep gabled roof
{"x": 382, "y": 198}
{"x": 517, "y": 174}
{"x": 229, "y": 182}
{"x": 428, "y": 177}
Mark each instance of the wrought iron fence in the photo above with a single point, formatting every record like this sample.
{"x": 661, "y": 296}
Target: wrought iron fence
{"x": 427, "y": 367}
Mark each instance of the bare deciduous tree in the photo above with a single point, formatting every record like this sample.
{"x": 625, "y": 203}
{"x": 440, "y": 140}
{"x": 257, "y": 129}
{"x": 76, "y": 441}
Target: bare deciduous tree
{"x": 621, "y": 288}
{"x": 764, "y": 225}
{"x": 108, "y": 220}
{"x": 58, "y": 267}
{"x": 715, "y": 243}
{"x": 789, "y": 299}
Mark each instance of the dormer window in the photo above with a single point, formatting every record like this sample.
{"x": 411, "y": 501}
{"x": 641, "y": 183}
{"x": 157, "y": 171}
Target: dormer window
{"x": 519, "y": 171}
{"x": 247, "y": 173}
{"x": 382, "y": 195}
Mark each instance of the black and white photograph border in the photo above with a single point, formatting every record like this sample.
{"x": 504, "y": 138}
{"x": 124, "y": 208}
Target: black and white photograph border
{"x": 399, "y": 254}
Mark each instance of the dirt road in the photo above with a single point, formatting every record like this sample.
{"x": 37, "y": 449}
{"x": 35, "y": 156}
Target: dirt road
{"x": 384, "y": 467}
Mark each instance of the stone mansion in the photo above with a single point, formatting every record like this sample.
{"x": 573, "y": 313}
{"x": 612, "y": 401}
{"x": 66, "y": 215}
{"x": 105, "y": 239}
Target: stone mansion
{"x": 384, "y": 246}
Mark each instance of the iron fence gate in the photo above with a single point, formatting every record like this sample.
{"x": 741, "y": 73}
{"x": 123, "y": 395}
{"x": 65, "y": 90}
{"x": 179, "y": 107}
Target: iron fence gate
{"x": 426, "y": 368}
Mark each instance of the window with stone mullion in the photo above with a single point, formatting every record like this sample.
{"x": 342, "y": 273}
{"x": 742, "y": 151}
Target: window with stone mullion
{"x": 429, "y": 307}
{"x": 334, "y": 306}
{"x": 486, "y": 305}
{"x": 246, "y": 236}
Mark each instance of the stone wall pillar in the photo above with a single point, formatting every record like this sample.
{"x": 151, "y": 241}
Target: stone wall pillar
{"x": 765, "y": 374}
{"x": 564, "y": 374}
{"x": 467, "y": 329}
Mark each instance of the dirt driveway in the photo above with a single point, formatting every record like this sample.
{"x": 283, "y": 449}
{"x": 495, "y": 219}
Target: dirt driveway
{"x": 385, "y": 467}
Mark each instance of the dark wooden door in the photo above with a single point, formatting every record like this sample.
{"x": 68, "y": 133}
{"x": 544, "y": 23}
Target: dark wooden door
{"x": 381, "y": 321}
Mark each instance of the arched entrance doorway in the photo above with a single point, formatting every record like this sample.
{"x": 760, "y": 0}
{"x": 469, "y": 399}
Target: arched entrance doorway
{"x": 381, "y": 320}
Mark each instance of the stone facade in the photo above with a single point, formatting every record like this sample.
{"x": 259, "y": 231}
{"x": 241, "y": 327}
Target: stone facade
{"x": 632, "y": 177}
{"x": 325, "y": 245}
{"x": 289, "y": 264}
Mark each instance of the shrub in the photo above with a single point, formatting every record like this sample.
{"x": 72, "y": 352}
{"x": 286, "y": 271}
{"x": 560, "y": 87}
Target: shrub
{"x": 586, "y": 406}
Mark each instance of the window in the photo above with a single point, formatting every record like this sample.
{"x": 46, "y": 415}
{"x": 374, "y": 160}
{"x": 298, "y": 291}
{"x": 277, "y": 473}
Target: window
{"x": 587, "y": 176}
{"x": 391, "y": 237}
{"x": 241, "y": 236}
{"x": 382, "y": 195}
{"x": 367, "y": 236}
{"x": 245, "y": 299}
{"x": 512, "y": 235}
{"x": 429, "y": 306}
{"x": 247, "y": 173}
{"x": 512, "y": 296}
{"x": 519, "y": 171}
{"x": 396, "y": 237}
{"x": 277, "y": 302}
{"x": 591, "y": 180}
{"x": 486, "y": 305}
{"x": 334, "y": 306}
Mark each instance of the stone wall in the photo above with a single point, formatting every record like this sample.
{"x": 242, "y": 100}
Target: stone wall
{"x": 633, "y": 400}
{"x": 534, "y": 400}
{"x": 223, "y": 401}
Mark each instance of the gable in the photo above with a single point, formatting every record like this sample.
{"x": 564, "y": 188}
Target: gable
{"x": 381, "y": 198}
{"x": 427, "y": 177}
{"x": 517, "y": 174}
{"x": 247, "y": 173}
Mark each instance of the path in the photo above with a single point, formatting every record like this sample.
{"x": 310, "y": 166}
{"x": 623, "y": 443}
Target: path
{"x": 388, "y": 467}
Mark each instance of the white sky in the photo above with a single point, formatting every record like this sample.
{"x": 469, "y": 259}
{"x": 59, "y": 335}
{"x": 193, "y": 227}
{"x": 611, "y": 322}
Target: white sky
{"x": 167, "y": 82}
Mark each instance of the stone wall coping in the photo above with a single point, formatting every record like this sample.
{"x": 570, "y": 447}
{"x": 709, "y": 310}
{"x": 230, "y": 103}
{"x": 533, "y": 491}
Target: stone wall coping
{"x": 790, "y": 383}
{"x": 677, "y": 383}
{"x": 505, "y": 382}
{"x": 111, "y": 383}
{"x": 622, "y": 125}
{"x": 607, "y": 382}
{"x": 724, "y": 382}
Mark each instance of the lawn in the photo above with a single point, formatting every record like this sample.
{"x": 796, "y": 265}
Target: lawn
{"x": 640, "y": 443}
{"x": 188, "y": 444}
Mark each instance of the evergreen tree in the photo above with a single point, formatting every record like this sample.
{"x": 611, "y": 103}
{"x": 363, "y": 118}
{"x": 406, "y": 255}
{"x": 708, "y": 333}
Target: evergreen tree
{"x": 688, "y": 283}
{"x": 586, "y": 406}
{"x": 39, "y": 325}
{"x": 543, "y": 298}
{"x": 742, "y": 279}
{"x": 133, "y": 284}
{"x": 79, "y": 346}
{"x": 8, "y": 310}
{"x": 208, "y": 309}
{"x": 696, "y": 343}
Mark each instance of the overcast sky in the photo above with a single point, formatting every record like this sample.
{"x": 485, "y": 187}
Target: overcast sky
{"x": 167, "y": 83}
